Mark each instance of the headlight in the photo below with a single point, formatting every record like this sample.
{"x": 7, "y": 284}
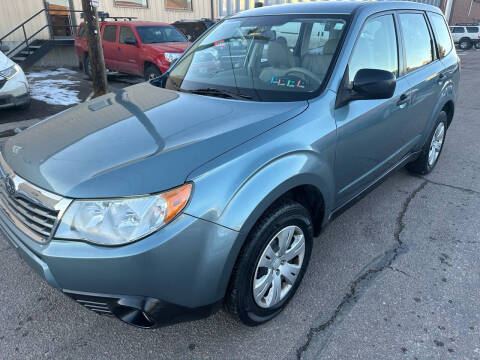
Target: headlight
{"x": 171, "y": 57}
{"x": 121, "y": 221}
{"x": 10, "y": 72}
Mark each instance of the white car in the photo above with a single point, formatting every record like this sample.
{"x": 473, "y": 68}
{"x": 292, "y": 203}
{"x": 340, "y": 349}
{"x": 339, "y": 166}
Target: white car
{"x": 14, "y": 88}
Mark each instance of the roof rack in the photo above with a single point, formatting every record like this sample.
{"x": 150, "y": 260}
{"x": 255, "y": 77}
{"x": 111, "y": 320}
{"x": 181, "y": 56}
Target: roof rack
{"x": 467, "y": 24}
{"x": 103, "y": 15}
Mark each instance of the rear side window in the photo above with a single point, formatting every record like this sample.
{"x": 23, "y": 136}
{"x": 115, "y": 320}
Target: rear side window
{"x": 110, "y": 33}
{"x": 458, "y": 30}
{"x": 416, "y": 37}
{"x": 472, "y": 29}
{"x": 376, "y": 47}
{"x": 82, "y": 31}
{"x": 444, "y": 42}
{"x": 125, "y": 32}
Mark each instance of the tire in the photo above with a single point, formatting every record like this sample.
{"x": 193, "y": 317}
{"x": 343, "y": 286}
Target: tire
{"x": 477, "y": 45}
{"x": 288, "y": 216}
{"x": 87, "y": 68}
{"x": 152, "y": 72}
{"x": 423, "y": 164}
{"x": 465, "y": 44}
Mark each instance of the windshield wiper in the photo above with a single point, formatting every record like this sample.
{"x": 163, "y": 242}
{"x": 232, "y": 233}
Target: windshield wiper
{"x": 220, "y": 93}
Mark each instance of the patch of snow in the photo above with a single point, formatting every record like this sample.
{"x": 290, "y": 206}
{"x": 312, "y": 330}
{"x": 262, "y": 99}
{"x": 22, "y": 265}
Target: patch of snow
{"x": 45, "y": 73}
{"x": 54, "y": 91}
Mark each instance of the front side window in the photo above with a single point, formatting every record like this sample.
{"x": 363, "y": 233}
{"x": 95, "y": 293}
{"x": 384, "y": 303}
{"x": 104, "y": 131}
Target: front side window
{"x": 125, "y": 33}
{"x": 444, "y": 42}
{"x": 110, "y": 33}
{"x": 417, "y": 40}
{"x": 376, "y": 47}
{"x": 159, "y": 34}
{"x": 260, "y": 58}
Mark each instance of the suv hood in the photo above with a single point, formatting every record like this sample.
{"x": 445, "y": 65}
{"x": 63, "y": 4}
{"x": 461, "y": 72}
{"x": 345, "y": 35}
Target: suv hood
{"x": 5, "y": 62}
{"x": 140, "y": 140}
{"x": 175, "y": 47}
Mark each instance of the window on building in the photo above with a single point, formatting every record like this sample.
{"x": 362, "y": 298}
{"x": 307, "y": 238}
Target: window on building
{"x": 125, "y": 33}
{"x": 444, "y": 42}
{"x": 178, "y": 4}
{"x": 376, "y": 47}
{"x": 416, "y": 36}
{"x": 472, "y": 29}
{"x": 131, "y": 3}
{"x": 110, "y": 33}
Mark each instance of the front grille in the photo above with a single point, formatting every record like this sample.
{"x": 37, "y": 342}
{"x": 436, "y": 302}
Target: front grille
{"x": 37, "y": 218}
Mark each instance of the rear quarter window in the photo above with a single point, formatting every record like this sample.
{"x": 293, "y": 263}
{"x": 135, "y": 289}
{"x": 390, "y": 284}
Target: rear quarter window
{"x": 472, "y": 29}
{"x": 442, "y": 36}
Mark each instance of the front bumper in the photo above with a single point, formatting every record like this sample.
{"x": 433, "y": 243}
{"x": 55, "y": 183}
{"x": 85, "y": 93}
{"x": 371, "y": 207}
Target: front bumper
{"x": 178, "y": 273}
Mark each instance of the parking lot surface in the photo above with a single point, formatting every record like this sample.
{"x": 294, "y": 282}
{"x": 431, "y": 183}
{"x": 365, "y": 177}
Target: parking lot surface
{"x": 396, "y": 276}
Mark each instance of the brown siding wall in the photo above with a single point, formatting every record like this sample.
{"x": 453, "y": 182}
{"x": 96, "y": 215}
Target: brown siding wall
{"x": 460, "y": 11}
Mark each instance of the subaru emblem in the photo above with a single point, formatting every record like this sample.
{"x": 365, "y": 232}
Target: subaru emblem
{"x": 10, "y": 186}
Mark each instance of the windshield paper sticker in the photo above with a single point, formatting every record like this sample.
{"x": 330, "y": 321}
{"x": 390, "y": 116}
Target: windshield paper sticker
{"x": 290, "y": 83}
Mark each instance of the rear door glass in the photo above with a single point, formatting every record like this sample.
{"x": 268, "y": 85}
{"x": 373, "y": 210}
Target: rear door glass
{"x": 416, "y": 39}
{"x": 472, "y": 29}
{"x": 110, "y": 33}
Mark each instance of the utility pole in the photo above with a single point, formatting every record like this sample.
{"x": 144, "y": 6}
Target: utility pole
{"x": 95, "y": 50}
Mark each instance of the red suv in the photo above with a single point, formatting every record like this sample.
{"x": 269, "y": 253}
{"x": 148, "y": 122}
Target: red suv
{"x": 138, "y": 48}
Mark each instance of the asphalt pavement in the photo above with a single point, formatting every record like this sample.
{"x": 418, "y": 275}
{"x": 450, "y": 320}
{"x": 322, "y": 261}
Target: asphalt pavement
{"x": 394, "y": 277}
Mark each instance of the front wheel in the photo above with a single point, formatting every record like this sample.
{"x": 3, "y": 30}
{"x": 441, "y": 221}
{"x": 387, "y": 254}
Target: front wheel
{"x": 465, "y": 44}
{"x": 152, "y": 72}
{"x": 271, "y": 265}
{"x": 432, "y": 148}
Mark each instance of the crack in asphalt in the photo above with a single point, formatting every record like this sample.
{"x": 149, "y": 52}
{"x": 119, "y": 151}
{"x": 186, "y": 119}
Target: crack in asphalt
{"x": 361, "y": 283}
{"x": 467, "y": 190}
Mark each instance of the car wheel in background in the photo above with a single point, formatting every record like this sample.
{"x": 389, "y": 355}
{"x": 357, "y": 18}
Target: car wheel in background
{"x": 465, "y": 44}
{"x": 271, "y": 264}
{"x": 477, "y": 45}
{"x": 432, "y": 149}
{"x": 152, "y": 72}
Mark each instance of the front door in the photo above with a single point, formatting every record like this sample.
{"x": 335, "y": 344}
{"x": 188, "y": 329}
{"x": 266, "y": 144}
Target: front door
{"x": 127, "y": 59}
{"x": 61, "y": 20}
{"x": 371, "y": 134}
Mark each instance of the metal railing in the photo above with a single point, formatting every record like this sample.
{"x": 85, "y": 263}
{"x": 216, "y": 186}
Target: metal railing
{"x": 48, "y": 25}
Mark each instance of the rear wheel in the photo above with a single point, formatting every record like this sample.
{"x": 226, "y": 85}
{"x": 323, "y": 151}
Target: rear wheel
{"x": 432, "y": 148}
{"x": 87, "y": 68}
{"x": 152, "y": 72}
{"x": 477, "y": 45}
{"x": 465, "y": 44}
{"x": 271, "y": 265}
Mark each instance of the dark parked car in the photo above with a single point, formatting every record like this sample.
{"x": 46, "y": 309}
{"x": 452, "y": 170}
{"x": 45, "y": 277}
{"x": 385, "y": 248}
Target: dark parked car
{"x": 162, "y": 201}
{"x": 192, "y": 29}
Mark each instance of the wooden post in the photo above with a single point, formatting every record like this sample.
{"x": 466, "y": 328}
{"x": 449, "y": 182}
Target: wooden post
{"x": 95, "y": 49}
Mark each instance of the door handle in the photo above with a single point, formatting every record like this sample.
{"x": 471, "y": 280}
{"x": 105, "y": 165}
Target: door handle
{"x": 402, "y": 102}
{"x": 441, "y": 77}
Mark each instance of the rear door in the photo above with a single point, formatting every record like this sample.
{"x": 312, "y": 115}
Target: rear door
{"x": 423, "y": 70}
{"x": 81, "y": 42}
{"x": 372, "y": 135}
{"x": 128, "y": 54}
{"x": 109, "y": 43}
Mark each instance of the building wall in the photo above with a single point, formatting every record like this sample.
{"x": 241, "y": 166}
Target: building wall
{"x": 465, "y": 11}
{"x": 14, "y": 12}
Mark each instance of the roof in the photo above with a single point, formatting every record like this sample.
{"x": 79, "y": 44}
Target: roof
{"x": 135, "y": 23}
{"x": 335, "y": 7}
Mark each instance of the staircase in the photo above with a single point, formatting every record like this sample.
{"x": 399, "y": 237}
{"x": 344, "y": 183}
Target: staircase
{"x": 31, "y": 49}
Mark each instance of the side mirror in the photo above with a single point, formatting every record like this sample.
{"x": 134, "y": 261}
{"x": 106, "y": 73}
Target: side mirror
{"x": 368, "y": 84}
{"x": 4, "y": 48}
{"x": 130, "y": 41}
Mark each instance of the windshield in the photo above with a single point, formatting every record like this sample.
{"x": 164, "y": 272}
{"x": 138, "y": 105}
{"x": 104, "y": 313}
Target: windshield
{"x": 268, "y": 58}
{"x": 159, "y": 34}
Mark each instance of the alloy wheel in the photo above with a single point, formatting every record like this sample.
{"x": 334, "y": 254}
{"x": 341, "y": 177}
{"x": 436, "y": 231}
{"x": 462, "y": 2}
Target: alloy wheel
{"x": 436, "y": 144}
